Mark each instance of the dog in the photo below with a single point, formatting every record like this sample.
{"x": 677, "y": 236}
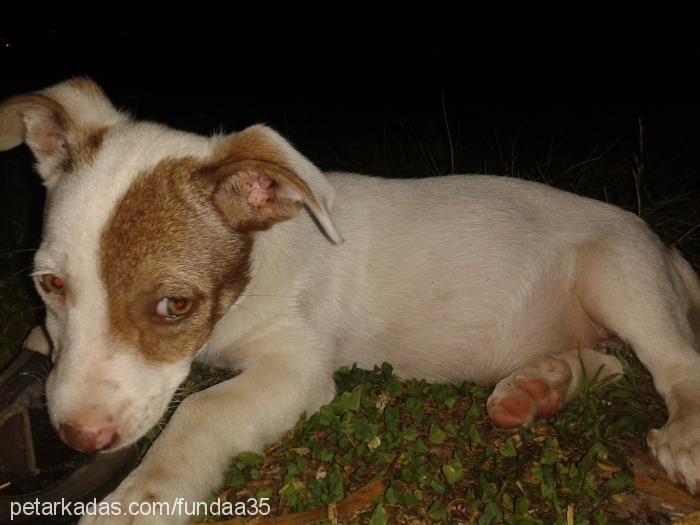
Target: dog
{"x": 161, "y": 247}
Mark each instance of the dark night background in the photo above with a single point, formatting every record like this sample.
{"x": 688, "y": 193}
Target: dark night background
{"x": 329, "y": 85}
{"x": 352, "y": 83}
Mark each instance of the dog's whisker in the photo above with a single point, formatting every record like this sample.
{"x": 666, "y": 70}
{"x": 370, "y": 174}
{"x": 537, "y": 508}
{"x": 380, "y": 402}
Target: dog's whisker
{"x": 35, "y": 375}
{"x": 36, "y": 308}
{"x": 19, "y": 272}
{"x": 16, "y": 252}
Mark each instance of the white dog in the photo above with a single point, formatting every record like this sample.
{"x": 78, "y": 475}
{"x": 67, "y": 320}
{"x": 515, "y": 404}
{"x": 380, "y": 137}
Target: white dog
{"x": 162, "y": 246}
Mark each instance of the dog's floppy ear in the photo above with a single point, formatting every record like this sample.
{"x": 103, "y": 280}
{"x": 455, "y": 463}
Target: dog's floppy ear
{"x": 261, "y": 180}
{"x": 57, "y": 124}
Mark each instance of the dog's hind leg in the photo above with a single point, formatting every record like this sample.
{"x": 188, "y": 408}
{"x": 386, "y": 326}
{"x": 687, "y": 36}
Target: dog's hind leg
{"x": 539, "y": 388}
{"x": 691, "y": 283}
{"x": 647, "y": 296}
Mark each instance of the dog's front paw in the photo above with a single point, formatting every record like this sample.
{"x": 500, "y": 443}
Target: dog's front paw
{"x": 139, "y": 501}
{"x": 677, "y": 447}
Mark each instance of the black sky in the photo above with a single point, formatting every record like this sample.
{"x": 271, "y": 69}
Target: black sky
{"x": 350, "y": 80}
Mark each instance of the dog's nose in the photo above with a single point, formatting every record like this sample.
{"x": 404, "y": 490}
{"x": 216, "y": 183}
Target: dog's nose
{"x": 87, "y": 441}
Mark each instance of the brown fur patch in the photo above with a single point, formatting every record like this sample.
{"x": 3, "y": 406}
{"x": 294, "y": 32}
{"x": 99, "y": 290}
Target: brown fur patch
{"x": 87, "y": 86}
{"x": 81, "y": 150}
{"x": 166, "y": 239}
{"x": 53, "y": 133}
{"x": 86, "y": 149}
{"x": 253, "y": 145}
{"x": 50, "y": 127}
{"x": 234, "y": 189}
{"x": 254, "y": 151}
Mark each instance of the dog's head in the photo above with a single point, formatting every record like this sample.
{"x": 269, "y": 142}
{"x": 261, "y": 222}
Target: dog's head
{"x": 147, "y": 241}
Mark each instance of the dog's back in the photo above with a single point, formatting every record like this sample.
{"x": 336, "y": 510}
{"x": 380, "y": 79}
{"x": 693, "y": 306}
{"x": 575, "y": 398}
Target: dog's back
{"x": 452, "y": 278}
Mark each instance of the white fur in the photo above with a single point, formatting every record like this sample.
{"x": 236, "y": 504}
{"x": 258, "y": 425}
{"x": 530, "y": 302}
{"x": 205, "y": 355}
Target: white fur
{"x": 452, "y": 278}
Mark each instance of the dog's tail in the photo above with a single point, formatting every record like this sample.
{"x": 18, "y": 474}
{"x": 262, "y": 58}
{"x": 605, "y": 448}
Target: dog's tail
{"x": 692, "y": 285}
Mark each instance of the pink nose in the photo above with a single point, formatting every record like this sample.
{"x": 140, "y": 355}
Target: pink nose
{"x": 85, "y": 441}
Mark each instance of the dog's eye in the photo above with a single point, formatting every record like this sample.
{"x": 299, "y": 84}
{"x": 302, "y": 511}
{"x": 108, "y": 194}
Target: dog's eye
{"x": 173, "y": 308}
{"x": 52, "y": 283}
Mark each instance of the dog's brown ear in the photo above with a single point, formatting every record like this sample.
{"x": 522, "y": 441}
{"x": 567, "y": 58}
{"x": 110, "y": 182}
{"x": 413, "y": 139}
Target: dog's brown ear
{"x": 261, "y": 180}
{"x": 58, "y": 124}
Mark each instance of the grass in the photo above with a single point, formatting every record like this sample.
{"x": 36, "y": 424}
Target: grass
{"x": 441, "y": 459}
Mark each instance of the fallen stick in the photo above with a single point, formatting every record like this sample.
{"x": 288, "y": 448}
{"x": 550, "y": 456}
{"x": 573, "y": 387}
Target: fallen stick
{"x": 650, "y": 478}
{"x": 358, "y": 501}
{"x": 665, "y": 489}
{"x": 690, "y": 519}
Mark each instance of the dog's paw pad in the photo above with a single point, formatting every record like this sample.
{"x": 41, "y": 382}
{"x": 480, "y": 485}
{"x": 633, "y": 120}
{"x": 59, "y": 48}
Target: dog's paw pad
{"x": 514, "y": 410}
{"x": 521, "y": 401}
